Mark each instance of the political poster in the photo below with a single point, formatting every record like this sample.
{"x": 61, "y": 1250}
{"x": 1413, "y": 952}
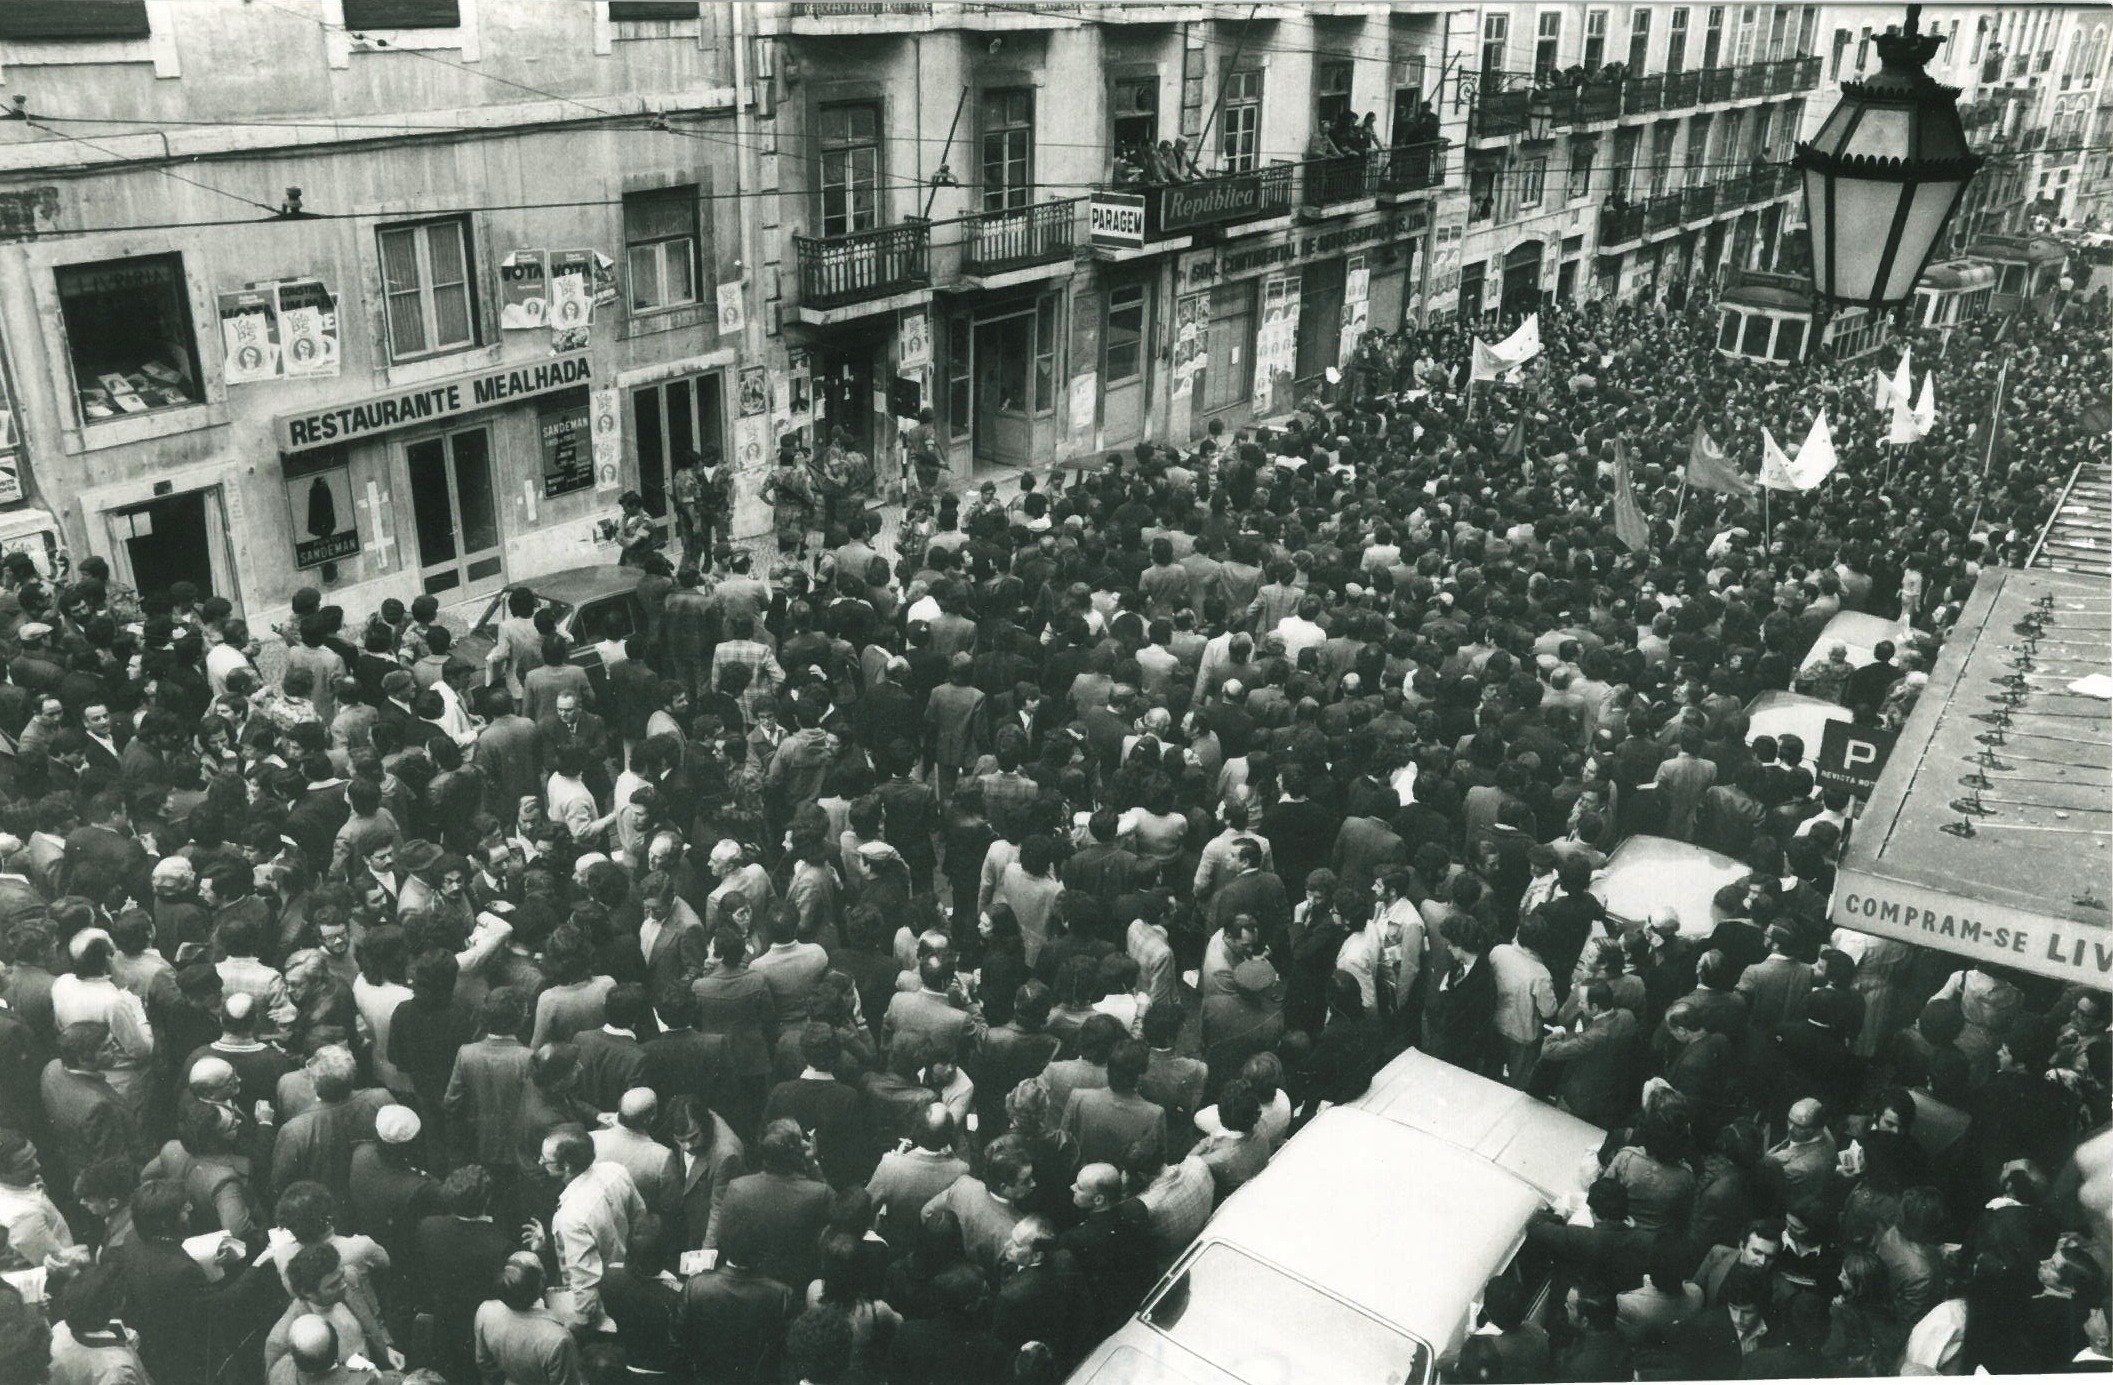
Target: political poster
{"x": 249, "y": 335}
{"x": 524, "y": 294}
{"x": 605, "y": 407}
{"x": 308, "y": 329}
{"x": 913, "y": 342}
{"x": 752, "y": 391}
{"x": 1192, "y": 317}
{"x": 733, "y": 312}
{"x": 571, "y": 299}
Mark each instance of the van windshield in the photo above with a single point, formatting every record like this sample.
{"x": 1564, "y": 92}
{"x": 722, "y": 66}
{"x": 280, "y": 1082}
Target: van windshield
{"x": 1261, "y": 1325}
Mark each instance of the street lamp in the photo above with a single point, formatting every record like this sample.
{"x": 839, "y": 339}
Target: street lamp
{"x": 1884, "y": 174}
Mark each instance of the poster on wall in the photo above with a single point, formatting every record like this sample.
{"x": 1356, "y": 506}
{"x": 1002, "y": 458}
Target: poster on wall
{"x": 753, "y": 391}
{"x": 524, "y": 297}
{"x": 567, "y": 429}
{"x": 1277, "y": 343}
{"x": 1084, "y": 390}
{"x": 799, "y": 389}
{"x": 752, "y": 450}
{"x": 605, "y": 408}
{"x": 249, "y": 334}
{"x": 1357, "y": 308}
{"x": 733, "y": 313}
{"x": 1191, "y": 330}
{"x": 320, "y": 510}
{"x": 913, "y": 342}
{"x": 308, "y": 329}
{"x": 571, "y": 299}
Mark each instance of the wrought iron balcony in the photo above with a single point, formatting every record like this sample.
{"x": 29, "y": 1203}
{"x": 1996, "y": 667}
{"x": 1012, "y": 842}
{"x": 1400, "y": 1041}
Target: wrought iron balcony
{"x": 1413, "y": 168}
{"x": 1349, "y": 179}
{"x": 1662, "y": 213}
{"x": 1044, "y": 233}
{"x": 1682, "y": 89}
{"x": 1752, "y": 80}
{"x": 1501, "y": 113}
{"x": 1718, "y": 83}
{"x": 839, "y": 270}
{"x": 1698, "y": 203}
{"x": 1223, "y": 200}
{"x": 1642, "y": 95}
{"x": 1620, "y": 225}
{"x": 1599, "y": 101}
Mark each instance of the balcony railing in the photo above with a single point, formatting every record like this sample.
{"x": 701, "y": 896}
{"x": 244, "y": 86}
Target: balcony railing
{"x": 1620, "y": 225}
{"x": 1698, "y": 203}
{"x": 1642, "y": 95}
{"x": 1221, "y": 200}
{"x": 1752, "y": 80}
{"x": 1413, "y": 168}
{"x": 1682, "y": 89}
{"x": 837, "y": 270}
{"x": 1023, "y": 236}
{"x": 1599, "y": 101}
{"x": 1521, "y": 110}
{"x": 858, "y": 9}
{"x": 1500, "y": 113}
{"x": 1341, "y": 180}
{"x": 1662, "y": 213}
{"x": 1718, "y": 83}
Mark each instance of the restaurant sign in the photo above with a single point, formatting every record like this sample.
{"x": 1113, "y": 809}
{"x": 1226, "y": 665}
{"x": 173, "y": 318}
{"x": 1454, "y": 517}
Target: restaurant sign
{"x": 426, "y": 403}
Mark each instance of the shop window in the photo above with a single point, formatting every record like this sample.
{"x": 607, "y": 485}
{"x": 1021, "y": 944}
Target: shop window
{"x": 1045, "y": 345}
{"x": 1595, "y": 39}
{"x": 850, "y": 168}
{"x": 426, "y": 285}
{"x": 660, "y": 248}
{"x": 1240, "y": 125}
{"x": 1008, "y": 149}
{"x": 72, "y": 21}
{"x": 129, "y": 335}
{"x": 1331, "y": 93}
{"x": 960, "y": 409}
{"x": 1134, "y": 118}
{"x": 402, "y": 14}
{"x": 1126, "y": 333}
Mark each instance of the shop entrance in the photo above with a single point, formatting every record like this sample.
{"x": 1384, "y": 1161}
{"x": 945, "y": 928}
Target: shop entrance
{"x": 1320, "y": 331}
{"x": 455, "y": 510}
{"x": 843, "y": 387}
{"x": 673, "y": 419}
{"x": 1004, "y": 352}
{"x": 176, "y": 538}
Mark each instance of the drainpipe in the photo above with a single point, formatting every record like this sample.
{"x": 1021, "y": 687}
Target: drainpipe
{"x": 747, "y": 180}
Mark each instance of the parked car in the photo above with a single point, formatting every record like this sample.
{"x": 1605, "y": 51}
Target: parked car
{"x": 1860, "y": 632}
{"x": 1776, "y": 713}
{"x": 1361, "y": 1252}
{"x": 589, "y": 604}
{"x": 1647, "y": 873}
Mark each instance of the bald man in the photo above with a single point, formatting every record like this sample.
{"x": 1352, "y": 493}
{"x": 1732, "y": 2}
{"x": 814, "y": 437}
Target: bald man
{"x": 312, "y": 1358}
{"x": 1801, "y": 1168}
{"x": 653, "y": 1166}
{"x": 1111, "y": 1246}
{"x": 259, "y": 1063}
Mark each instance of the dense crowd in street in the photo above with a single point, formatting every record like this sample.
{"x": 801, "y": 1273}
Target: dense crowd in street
{"x": 876, "y": 968}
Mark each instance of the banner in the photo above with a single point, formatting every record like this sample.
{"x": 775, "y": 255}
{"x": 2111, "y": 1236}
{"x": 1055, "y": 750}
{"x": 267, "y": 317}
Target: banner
{"x": 1926, "y": 406}
{"x": 1817, "y": 459}
{"x": 1500, "y": 361}
{"x": 1629, "y": 524}
{"x": 249, "y": 334}
{"x": 1708, "y": 469}
{"x": 308, "y": 329}
{"x": 524, "y": 294}
{"x": 1775, "y": 467}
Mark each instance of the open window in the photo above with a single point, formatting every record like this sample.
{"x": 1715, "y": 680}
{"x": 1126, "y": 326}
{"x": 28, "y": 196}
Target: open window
{"x": 129, "y": 336}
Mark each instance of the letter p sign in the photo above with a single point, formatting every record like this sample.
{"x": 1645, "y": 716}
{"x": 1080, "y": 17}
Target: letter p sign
{"x": 1852, "y": 757}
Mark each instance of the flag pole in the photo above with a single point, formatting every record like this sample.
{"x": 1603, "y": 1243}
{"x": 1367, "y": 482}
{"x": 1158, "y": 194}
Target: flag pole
{"x": 1988, "y": 455}
{"x": 1680, "y": 508}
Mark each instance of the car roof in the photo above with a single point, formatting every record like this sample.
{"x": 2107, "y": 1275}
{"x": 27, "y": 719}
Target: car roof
{"x": 1356, "y": 1204}
{"x": 1645, "y": 872}
{"x": 1774, "y": 712}
{"x": 1858, "y": 630}
{"x": 576, "y": 586}
{"x": 1527, "y": 1138}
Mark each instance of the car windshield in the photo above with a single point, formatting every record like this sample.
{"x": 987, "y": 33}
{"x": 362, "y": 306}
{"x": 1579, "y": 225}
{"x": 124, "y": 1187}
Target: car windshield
{"x": 1263, "y": 1326}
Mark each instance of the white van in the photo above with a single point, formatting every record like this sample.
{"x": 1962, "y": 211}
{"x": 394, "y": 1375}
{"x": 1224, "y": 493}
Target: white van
{"x": 1361, "y": 1252}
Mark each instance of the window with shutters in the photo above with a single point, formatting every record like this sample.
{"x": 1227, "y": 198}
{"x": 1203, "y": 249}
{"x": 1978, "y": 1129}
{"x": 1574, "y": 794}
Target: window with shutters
{"x": 1809, "y": 27}
{"x": 427, "y": 288}
{"x": 1008, "y": 149}
{"x": 1240, "y": 124}
{"x": 1676, "y": 41}
{"x": 1496, "y": 33}
{"x": 1698, "y": 169}
{"x": 402, "y": 14}
{"x": 129, "y": 335}
{"x": 72, "y": 21}
{"x": 1595, "y": 39}
{"x": 1749, "y": 19}
{"x": 1547, "y": 42}
{"x": 850, "y": 168}
{"x": 1639, "y": 41}
{"x": 1331, "y": 92}
{"x": 660, "y": 248}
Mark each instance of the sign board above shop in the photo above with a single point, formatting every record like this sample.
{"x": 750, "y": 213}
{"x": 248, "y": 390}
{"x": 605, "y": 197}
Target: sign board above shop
{"x": 1237, "y": 259}
{"x": 1117, "y": 218}
{"x": 429, "y": 403}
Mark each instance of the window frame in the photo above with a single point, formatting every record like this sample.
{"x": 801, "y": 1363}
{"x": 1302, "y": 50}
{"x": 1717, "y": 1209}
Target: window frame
{"x": 1119, "y": 112}
{"x": 1240, "y": 122}
{"x": 1594, "y": 56}
{"x": 427, "y": 286}
{"x": 661, "y": 245}
{"x": 1496, "y": 38}
{"x": 1639, "y": 40}
{"x": 1547, "y": 43}
{"x": 841, "y": 152}
{"x": 1532, "y": 183}
{"x": 1136, "y": 298}
{"x": 390, "y": 15}
{"x": 71, "y": 21}
{"x": 1012, "y": 127}
{"x": 1327, "y": 99}
{"x": 83, "y": 377}
{"x": 1676, "y": 40}
{"x": 1578, "y": 177}
{"x": 1042, "y": 368}
{"x": 1713, "y": 38}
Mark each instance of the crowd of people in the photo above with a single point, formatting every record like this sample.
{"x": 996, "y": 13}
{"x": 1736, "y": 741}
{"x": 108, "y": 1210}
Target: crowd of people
{"x": 877, "y": 969}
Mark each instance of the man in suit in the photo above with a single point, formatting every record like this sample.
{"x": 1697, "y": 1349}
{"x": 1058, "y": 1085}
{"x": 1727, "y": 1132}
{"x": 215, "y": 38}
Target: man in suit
{"x": 103, "y": 861}
{"x": 711, "y": 1158}
{"x": 187, "y": 1324}
{"x": 1107, "y": 1121}
{"x": 929, "y": 1014}
{"x": 1599, "y": 1060}
{"x": 1008, "y": 1054}
{"x": 89, "y": 1122}
{"x": 611, "y": 1059}
{"x": 906, "y": 1179}
{"x": 773, "y": 1217}
{"x": 317, "y": 1144}
{"x": 680, "y": 1060}
{"x": 953, "y": 722}
{"x": 1681, "y": 782}
{"x": 1609, "y": 1251}
{"x": 569, "y": 723}
{"x": 104, "y": 749}
{"x": 1101, "y": 868}
{"x": 1237, "y": 1026}
{"x": 1256, "y": 892}
{"x": 734, "y": 1316}
{"x": 506, "y": 754}
{"x": 461, "y": 1252}
{"x": 831, "y": 1113}
{"x": 1596, "y": 1350}
{"x": 1758, "y": 1247}
{"x": 483, "y": 1100}
{"x": 654, "y": 1168}
{"x": 671, "y": 938}
{"x": 1714, "y": 1344}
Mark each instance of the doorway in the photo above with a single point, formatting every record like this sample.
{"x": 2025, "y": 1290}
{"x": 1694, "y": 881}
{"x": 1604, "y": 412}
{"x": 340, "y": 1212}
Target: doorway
{"x": 1124, "y": 362}
{"x": 673, "y": 418}
{"x": 1522, "y": 279}
{"x": 1004, "y": 352}
{"x": 455, "y": 510}
{"x": 1320, "y": 333}
{"x": 1228, "y": 347}
{"x": 175, "y": 538}
{"x": 843, "y": 386}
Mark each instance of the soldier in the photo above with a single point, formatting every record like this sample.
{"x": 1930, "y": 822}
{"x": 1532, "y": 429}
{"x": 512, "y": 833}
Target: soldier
{"x": 790, "y": 492}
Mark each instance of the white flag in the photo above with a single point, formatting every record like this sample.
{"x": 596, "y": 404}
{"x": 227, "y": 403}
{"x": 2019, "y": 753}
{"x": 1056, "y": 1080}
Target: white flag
{"x": 1501, "y": 361}
{"x": 1926, "y": 406}
{"x": 1776, "y": 474}
{"x": 1881, "y": 390}
{"x": 1903, "y": 386}
{"x": 1904, "y": 427}
{"x": 1817, "y": 459}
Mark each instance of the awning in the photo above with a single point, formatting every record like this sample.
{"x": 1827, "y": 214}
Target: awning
{"x": 1990, "y": 833}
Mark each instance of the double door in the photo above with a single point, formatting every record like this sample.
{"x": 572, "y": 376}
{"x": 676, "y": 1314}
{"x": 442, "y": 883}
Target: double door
{"x": 455, "y": 513}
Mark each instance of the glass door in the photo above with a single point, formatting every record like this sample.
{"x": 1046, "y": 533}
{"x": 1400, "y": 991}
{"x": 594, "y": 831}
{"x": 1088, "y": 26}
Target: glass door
{"x": 673, "y": 420}
{"x": 455, "y": 511}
